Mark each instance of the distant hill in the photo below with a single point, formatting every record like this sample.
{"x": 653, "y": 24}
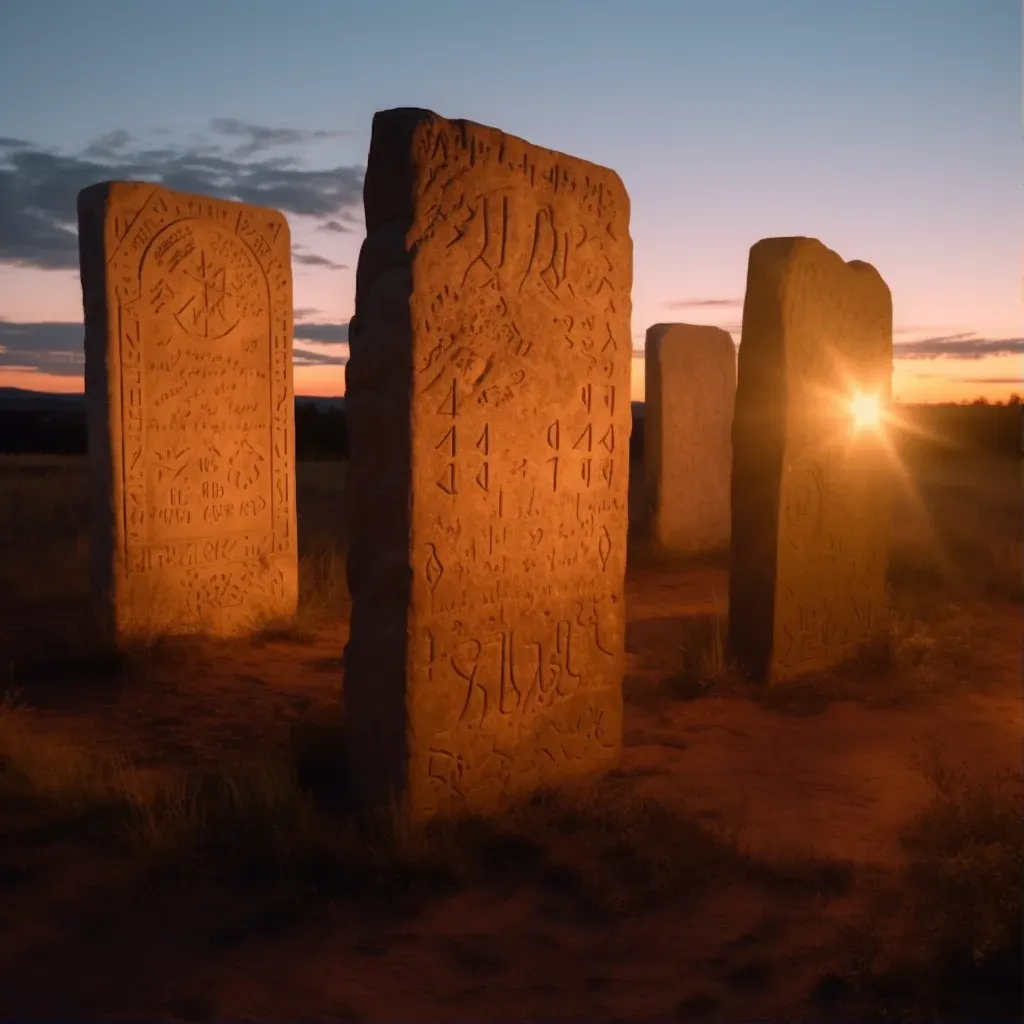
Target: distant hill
{"x": 38, "y": 401}
{"x": 55, "y": 424}
{"x": 44, "y": 423}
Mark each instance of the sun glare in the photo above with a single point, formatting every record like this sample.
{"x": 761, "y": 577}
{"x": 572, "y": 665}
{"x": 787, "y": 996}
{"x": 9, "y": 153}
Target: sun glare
{"x": 865, "y": 411}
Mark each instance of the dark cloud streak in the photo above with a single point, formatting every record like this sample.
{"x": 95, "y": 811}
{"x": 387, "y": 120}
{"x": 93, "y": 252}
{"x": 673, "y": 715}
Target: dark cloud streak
{"x": 325, "y": 334}
{"x": 58, "y": 348}
{"x": 701, "y": 303}
{"x": 260, "y": 137}
{"x": 49, "y": 347}
{"x": 312, "y": 259}
{"x": 966, "y": 345}
{"x": 307, "y": 357}
{"x": 39, "y": 186}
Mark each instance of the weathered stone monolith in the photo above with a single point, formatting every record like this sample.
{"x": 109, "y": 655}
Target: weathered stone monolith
{"x": 188, "y": 365}
{"x": 690, "y": 374}
{"x": 488, "y": 408}
{"x": 810, "y": 504}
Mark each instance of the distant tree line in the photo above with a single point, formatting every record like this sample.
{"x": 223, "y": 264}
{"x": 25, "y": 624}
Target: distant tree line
{"x": 320, "y": 432}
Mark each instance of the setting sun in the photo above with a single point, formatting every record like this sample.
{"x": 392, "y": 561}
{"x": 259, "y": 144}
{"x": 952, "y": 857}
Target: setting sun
{"x": 865, "y": 411}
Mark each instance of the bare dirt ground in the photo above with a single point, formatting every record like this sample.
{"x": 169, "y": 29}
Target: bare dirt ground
{"x": 173, "y": 843}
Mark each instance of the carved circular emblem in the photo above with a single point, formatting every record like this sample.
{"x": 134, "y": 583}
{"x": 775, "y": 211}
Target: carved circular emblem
{"x": 194, "y": 271}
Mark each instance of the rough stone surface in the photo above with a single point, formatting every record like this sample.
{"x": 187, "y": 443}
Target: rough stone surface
{"x": 810, "y": 509}
{"x": 488, "y": 411}
{"x": 690, "y": 374}
{"x": 188, "y": 366}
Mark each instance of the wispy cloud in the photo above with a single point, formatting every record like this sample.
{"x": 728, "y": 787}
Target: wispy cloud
{"x": 965, "y": 345}
{"x": 39, "y": 185}
{"x": 257, "y": 137}
{"x": 336, "y": 227}
{"x": 324, "y": 333}
{"x": 313, "y": 259}
{"x": 925, "y": 375}
{"x": 701, "y": 303}
{"x": 304, "y": 356}
{"x": 50, "y": 347}
{"x": 58, "y": 348}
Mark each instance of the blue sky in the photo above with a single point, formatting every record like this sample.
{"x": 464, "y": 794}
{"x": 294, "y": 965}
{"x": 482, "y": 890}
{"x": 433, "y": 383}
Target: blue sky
{"x": 890, "y": 129}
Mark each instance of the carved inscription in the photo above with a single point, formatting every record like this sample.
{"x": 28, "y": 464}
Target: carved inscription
{"x": 199, "y": 334}
{"x": 521, "y": 358}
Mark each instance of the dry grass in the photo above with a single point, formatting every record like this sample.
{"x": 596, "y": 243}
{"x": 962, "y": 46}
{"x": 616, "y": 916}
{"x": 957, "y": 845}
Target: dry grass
{"x": 281, "y": 825}
{"x": 45, "y": 598}
{"x": 943, "y": 941}
{"x": 277, "y": 829}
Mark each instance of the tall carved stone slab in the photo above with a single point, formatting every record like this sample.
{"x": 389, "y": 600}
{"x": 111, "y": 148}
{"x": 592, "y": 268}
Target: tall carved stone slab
{"x": 488, "y": 411}
{"x": 188, "y": 348}
{"x": 690, "y": 374}
{"x": 810, "y": 507}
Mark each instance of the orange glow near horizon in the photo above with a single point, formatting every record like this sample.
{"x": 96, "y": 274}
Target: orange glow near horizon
{"x": 915, "y": 381}
{"x": 908, "y": 387}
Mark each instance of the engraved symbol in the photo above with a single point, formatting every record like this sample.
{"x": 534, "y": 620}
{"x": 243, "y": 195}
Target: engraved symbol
{"x": 205, "y": 312}
{"x": 160, "y": 294}
{"x": 210, "y": 463}
{"x": 585, "y": 470}
{"x": 606, "y": 470}
{"x": 428, "y": 636}
{"x": 448, "y": 439}
{"x": 470, "y": 650}
{"x": 611, "y": 343}
{"x": 588, "y": 436}
{"x": 217, "y": 591}
{"x": 484, "y": 444}
{"x": 549, "y": 253}
{"x": 433, "y": 570}
{"x": 609, "y": 439}
{"x": 245, "y": 466}
{"x": 494, "y": 227}
{"x": 587, "y": 395}
{"x": 483, "y": 477}
{"x": 554, "y": 473}
{"x": 609, "y": 397}
{"x": 447, "y": 480}
{"x": 604, "y": 547}
{"x": 170, "y": 464}
{"x": 553, "y": 435}
{"x": 449, "y": 406}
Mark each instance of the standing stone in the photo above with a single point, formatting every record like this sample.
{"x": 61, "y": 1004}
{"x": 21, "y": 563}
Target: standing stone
{"x": 488, "y": 408}
{"x": 809, "y": 491}
{"x": 690, "y": 375}
{"x": 188, "y": 371}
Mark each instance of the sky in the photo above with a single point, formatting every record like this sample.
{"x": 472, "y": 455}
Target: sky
{"x": 889, "y": 129}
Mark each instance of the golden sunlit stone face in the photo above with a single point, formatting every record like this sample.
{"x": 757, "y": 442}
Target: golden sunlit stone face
{"x": 809, "y": 484}
{"x": 865, "y": 411}
{"x": 188, "y": 361}
{"x": 487, "y": 398}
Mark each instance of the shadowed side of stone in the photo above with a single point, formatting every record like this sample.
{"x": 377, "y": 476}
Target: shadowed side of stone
{"x": 489, "y": 416}
{"x": 809, "y": 486}
{"x": 190, "y": 404}
{"x": 690, "y": 389}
